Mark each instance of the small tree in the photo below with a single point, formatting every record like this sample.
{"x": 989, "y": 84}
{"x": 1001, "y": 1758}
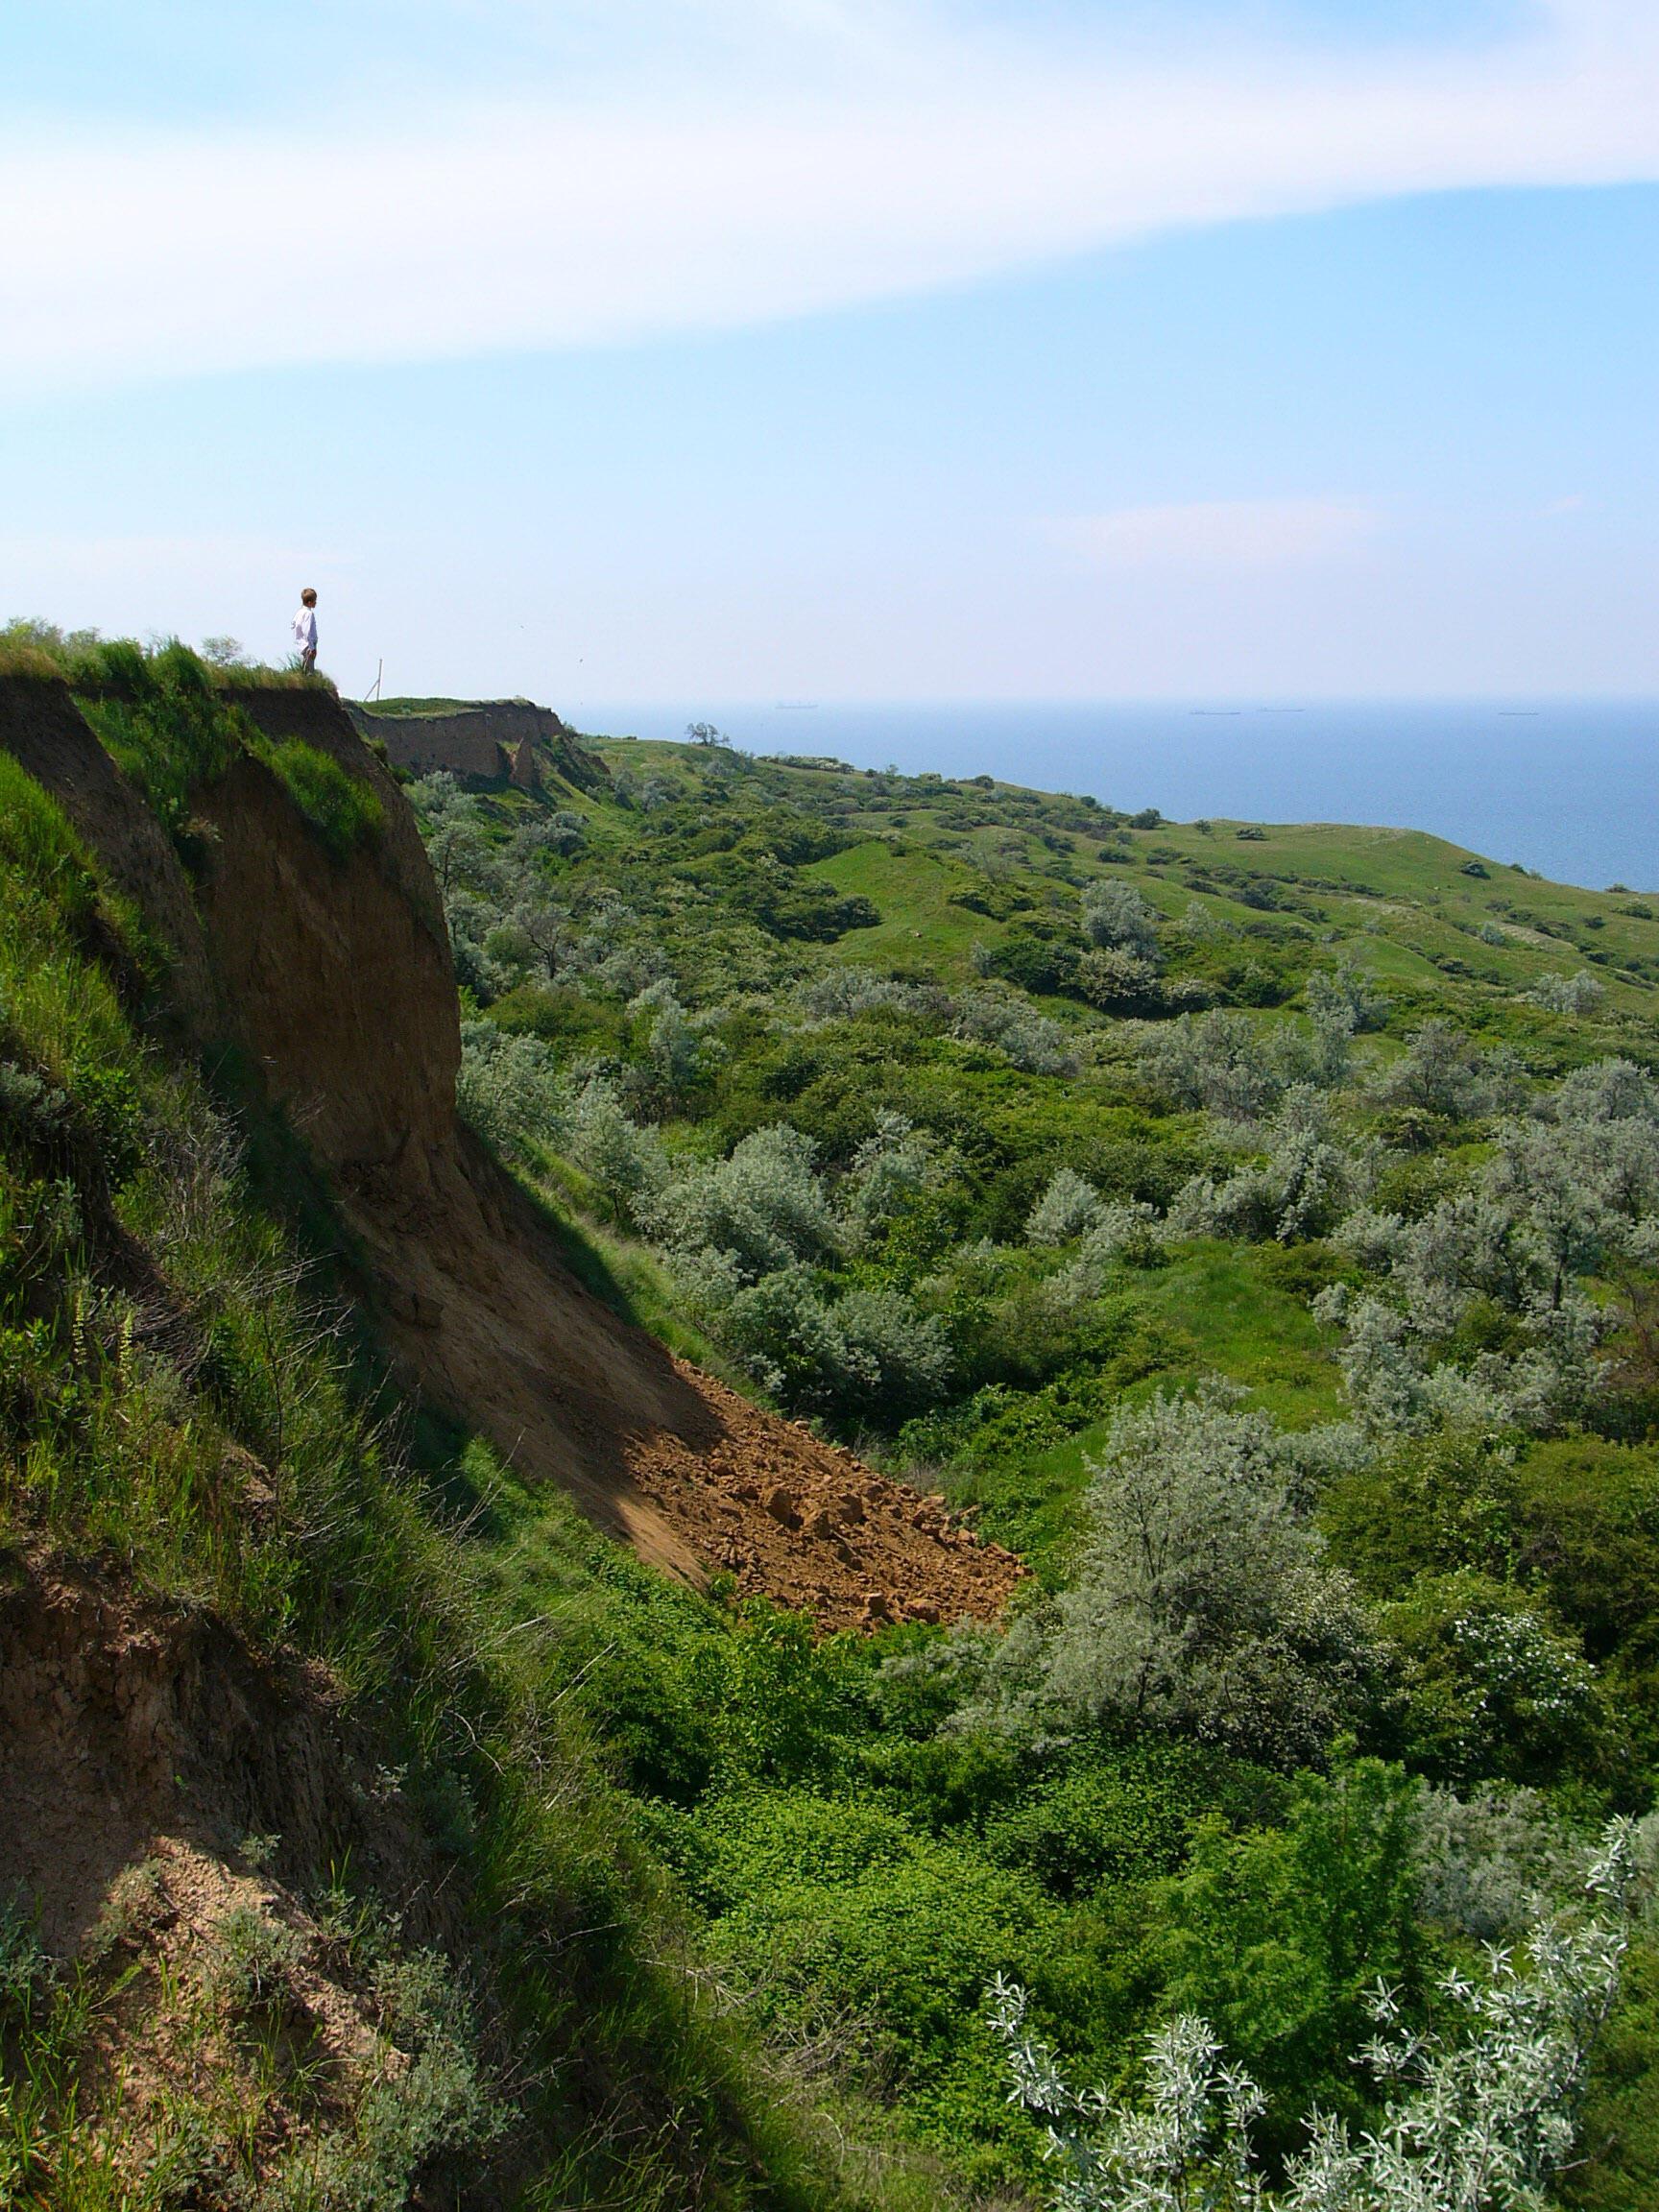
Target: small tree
{"x": 763, "y": 1205}
{"x": 1067, "y": 1208}
{"x": 1445, "y": 1073}
{"x": 1202, "y": 1600}
{"x": 1578, "y": 993}
{"x": 1218, "y": 1061}
{"x": 1116, "y": 915}
{"x": 548, "y": 931}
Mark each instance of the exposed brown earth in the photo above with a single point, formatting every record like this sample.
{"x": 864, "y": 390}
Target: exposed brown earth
{"x": 168, "y": 1802}
{"x": 335, "y": 978}
{"x": 810, "y": 1524}
{"x": 482, "y": 742}
{"x": 121, "y": 1723}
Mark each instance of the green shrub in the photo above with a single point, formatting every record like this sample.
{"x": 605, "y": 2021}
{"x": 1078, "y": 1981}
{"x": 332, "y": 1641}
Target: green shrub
{"x": 1124, "y": 1814}
{"x": 254, "y": 1961}
{"x": 844, "y": 1926}
{"x": 1278, "y": 1936}
{"x": 1495, "y": 1689}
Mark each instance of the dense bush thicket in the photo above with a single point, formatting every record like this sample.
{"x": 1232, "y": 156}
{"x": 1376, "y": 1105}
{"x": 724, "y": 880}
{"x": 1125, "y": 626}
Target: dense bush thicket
{"x": 186, "y": 1413}
{"x": 1311, "y": 1355}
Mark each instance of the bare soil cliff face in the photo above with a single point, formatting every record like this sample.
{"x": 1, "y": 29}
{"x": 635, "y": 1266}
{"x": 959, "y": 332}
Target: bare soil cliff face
{"x": 334, "y": 977}
{"x": 485, "y": 741}
{"x": 171, "y": 1804}
{"x": 335, "y": 974}
{"x": 120, "y": 1724}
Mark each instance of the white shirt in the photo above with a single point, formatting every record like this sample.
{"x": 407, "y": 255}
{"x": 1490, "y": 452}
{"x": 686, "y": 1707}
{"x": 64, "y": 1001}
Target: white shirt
{"x": 305, "y": 630}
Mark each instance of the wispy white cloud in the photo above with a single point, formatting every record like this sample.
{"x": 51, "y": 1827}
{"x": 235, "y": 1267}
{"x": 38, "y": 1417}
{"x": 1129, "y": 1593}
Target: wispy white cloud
{"x": 873, "y": 149}
{"x": 1216, "y": 534}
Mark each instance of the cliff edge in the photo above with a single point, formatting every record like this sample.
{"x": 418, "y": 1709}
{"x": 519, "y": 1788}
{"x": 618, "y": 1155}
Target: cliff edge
{"x": 331, "y": 972}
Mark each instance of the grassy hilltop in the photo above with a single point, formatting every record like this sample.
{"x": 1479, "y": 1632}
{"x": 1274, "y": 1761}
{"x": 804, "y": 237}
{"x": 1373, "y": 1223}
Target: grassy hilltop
{"x": 1256, "y": 1228}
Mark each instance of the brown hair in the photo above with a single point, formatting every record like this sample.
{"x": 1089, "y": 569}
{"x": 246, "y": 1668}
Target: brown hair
{"x": 308, "y": 596}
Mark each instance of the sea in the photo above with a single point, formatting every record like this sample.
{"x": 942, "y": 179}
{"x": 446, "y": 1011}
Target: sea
{"x": 1567, "y": 787}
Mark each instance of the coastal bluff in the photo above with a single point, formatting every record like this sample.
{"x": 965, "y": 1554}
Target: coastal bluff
{"x": 481, "y": 742}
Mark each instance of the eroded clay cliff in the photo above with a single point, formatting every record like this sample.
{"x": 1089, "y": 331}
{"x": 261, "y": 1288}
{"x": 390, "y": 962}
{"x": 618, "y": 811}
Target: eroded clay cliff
{"x": 333, "y": 977}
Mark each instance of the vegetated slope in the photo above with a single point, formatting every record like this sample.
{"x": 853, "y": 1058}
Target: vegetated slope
{"x": 1262, "y": 1228}
{"x": 317, "y": 1883}
{"x": 332, "y": 970}
{"x": 839, "y": 946}
{"x": 1393, "y": 1662}
{"x": 977, "y": 861}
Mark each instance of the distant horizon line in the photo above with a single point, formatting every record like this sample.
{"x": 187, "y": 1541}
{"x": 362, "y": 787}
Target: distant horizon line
{"x": 1497, "y": 702}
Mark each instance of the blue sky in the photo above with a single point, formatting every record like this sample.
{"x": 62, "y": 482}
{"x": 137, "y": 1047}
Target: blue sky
{"x": 844, "y": 348}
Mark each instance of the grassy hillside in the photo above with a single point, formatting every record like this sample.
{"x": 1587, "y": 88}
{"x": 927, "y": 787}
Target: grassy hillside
{"x": 1263, "y": 1244}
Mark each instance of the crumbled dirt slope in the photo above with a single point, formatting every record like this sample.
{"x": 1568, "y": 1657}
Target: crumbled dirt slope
{"x": 121, "y": 1722}
{"x": 167, "y": 1801}
{"x": 766, "y": 1500}
{"x": 335, "y": 978}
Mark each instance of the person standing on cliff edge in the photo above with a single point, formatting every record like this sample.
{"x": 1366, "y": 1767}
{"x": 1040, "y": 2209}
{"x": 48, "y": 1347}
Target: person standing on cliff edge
{"x": 306, "y": 630}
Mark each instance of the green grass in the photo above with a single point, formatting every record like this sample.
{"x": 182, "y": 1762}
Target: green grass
{"x": 912, "y": 891}
{"x": 394, "y": 710}
{"x": 1247, "y": 1323}
{"x": 341, "y": 808}
{"x": 1397, "y": 900}
{"x": 1212, "y": 1308}
{"x": 621, "y": 1270}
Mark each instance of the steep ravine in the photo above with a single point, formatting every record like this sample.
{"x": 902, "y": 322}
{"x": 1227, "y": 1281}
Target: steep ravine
{"x": 333, "y": 977}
